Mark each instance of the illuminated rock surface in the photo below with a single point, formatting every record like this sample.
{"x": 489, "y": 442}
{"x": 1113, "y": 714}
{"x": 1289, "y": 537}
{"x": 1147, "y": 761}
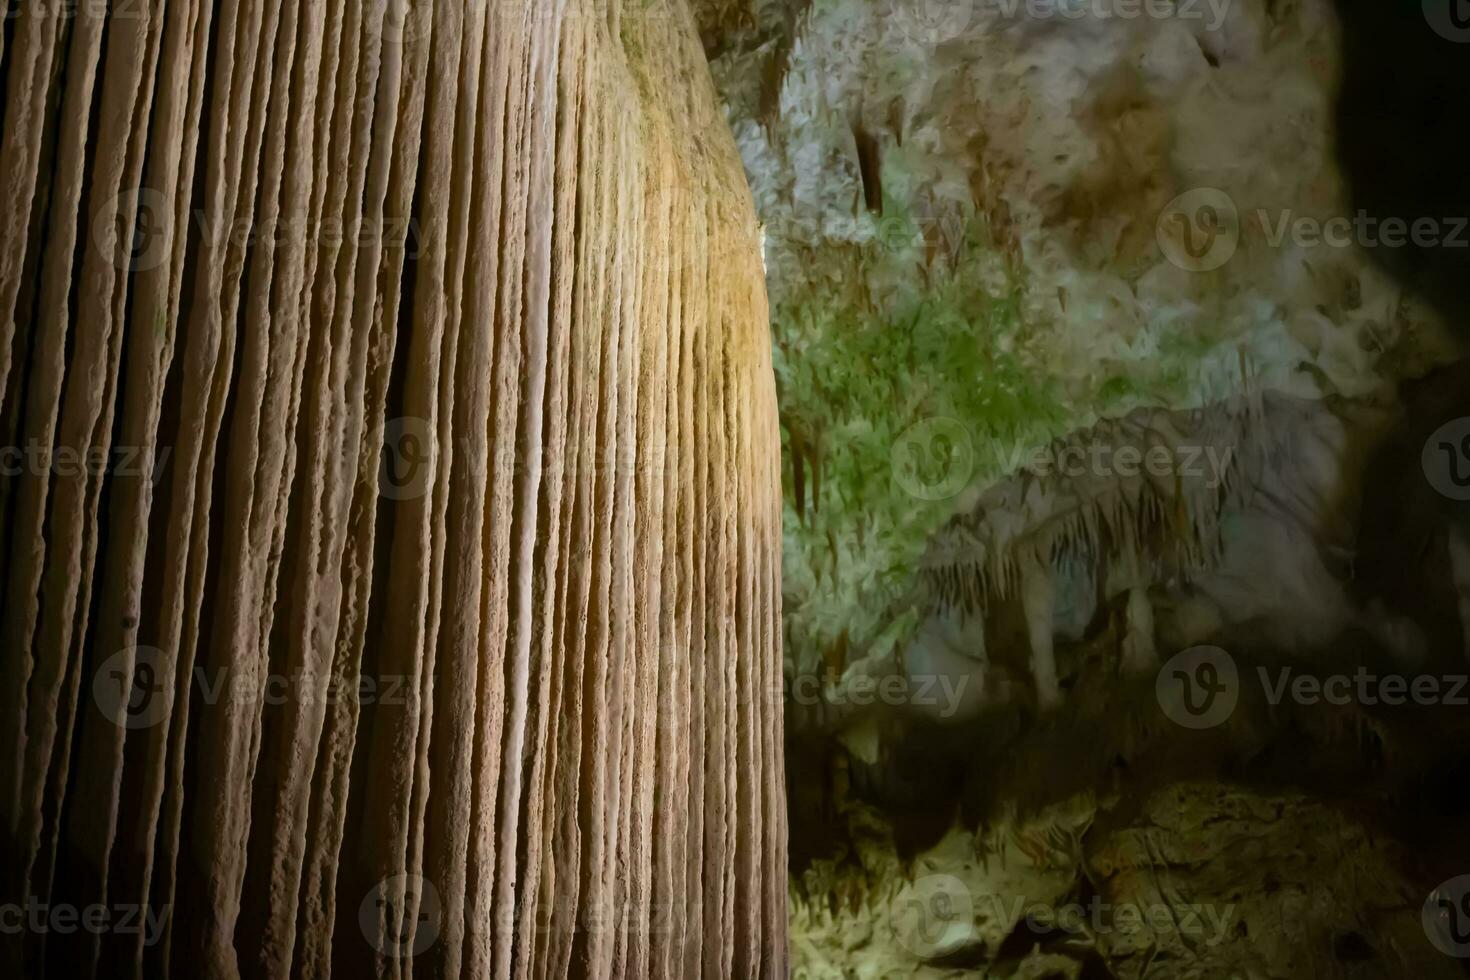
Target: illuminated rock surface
{"x": 425, "y": 597}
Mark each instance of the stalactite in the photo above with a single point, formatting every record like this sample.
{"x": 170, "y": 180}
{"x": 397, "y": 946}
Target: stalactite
{"x": 422, "y": 612}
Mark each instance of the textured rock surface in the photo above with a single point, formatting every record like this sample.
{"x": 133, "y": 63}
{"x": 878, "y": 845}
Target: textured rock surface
{"x": 1258, "y": 559}
{"x": 979, "y": 216}
{"x": 1203, "y": 881}
{"x": 998, "y": 225}
{"x": 422, "y": 588}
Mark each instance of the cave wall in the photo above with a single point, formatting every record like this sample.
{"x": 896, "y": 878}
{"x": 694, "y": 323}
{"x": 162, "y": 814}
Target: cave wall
{"x": 973, "y": 216}
{"x": 1002, "y": 233}
{"x": 391, "y": 512}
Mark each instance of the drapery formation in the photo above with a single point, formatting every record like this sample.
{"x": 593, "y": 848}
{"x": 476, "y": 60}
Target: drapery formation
{"x": 391, "y": 503}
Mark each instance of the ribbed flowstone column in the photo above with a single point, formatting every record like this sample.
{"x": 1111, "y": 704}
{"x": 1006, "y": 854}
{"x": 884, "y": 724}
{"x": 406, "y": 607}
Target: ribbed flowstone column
{"x": 390, "y": 508}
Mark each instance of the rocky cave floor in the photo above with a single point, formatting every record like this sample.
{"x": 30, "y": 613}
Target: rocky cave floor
{"x": 1103, "y": 840}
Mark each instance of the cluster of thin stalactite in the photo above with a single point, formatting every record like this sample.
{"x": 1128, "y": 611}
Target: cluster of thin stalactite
{"x": 389, "y": 527}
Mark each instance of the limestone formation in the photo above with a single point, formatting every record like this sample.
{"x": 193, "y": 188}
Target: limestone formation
{"x": 391, "y": 507}
{"x": 1203, "y": 880}
{"x": 994, "y": 225}
{"x": 1046, "y": 170}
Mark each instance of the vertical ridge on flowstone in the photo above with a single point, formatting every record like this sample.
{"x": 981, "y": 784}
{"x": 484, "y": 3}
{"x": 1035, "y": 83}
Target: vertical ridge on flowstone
{"x": 391, "y": 507}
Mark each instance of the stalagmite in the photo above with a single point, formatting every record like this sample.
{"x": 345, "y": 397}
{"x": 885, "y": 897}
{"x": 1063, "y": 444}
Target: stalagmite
{"x": 390, "y": 520}
{"x": 1038, "y": 601}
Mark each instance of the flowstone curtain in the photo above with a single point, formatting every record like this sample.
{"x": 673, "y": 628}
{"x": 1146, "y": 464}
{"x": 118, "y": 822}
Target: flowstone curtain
{"x": 390, "y": 506}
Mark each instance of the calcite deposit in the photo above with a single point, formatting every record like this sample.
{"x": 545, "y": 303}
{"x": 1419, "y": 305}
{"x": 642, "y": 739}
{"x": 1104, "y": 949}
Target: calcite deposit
{"x": 391, "y": 510}
{"x": 1092, "y": 348}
